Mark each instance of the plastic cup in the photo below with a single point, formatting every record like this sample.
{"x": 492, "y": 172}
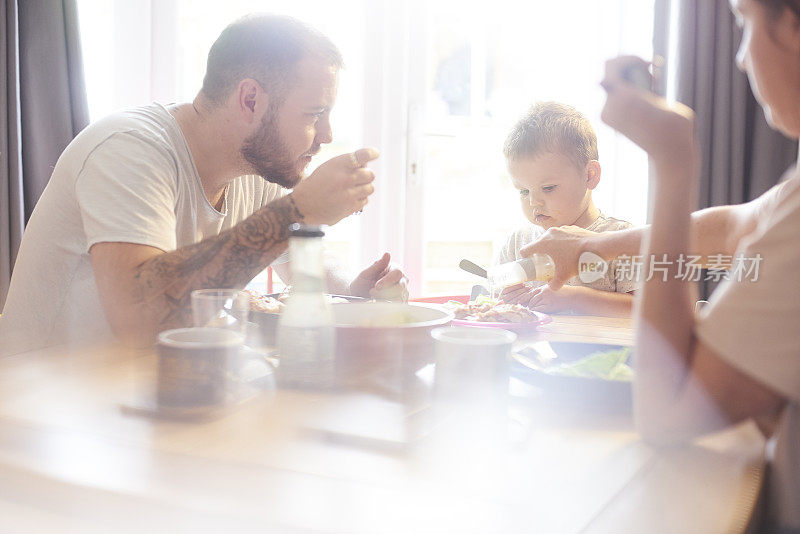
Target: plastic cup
{"x": 228, "y": 309}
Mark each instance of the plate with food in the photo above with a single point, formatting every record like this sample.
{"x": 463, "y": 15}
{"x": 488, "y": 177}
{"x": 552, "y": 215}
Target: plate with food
{"x": 487, "y": 312}
{"x": 583, "y": 374}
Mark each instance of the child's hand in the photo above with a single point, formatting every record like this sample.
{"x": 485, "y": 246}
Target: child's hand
{"x": 665, "y": 131}
{"x": 543, "y": 298}
{"x": 548, "y": 300}
{"x": 513, "y": 294}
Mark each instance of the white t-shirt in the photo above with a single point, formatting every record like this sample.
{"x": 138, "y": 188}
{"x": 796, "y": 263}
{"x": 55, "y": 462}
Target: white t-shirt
{"x": 754, "y": 324}
{"x": 127, "y": 178}
{"x": 614, "y": 280}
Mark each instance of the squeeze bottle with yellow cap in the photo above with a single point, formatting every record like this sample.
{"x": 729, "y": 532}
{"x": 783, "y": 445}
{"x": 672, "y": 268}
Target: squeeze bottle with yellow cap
{"x": 536, "y": 267}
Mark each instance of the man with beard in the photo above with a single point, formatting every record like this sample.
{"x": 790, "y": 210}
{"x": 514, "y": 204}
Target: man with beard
{"x": 149, "y": 204}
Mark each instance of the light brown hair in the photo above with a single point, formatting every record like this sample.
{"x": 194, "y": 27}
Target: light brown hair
{"x": 552, "y": 127}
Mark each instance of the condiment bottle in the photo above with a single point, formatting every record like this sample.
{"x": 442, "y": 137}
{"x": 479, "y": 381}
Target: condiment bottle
{"x": 305, "y": 333}
{"x": 536, "y": 267}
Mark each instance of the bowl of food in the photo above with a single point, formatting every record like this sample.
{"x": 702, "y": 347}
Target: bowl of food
{"x": 389, "y": 338}
{"x": 265, "y": 310}
{"x": 591, "y": 376}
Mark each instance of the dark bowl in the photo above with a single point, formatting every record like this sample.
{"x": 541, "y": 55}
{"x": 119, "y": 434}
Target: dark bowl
{"x": 592, "y": 394}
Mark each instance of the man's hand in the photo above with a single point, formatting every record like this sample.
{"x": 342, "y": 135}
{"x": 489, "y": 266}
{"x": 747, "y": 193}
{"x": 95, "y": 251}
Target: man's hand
{"x": 337, "y": 188}
{"x": 381, "y": 281}
{"x": 564, "y": 244}
{"x": 543, "y": 298}
{"x": 666, "y": 131}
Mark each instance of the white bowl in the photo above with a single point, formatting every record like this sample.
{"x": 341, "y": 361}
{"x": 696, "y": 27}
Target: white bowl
{"x": 384, "y": 337}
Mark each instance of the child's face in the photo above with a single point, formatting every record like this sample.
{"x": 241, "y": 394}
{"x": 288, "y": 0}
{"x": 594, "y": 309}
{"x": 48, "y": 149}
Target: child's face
{"x": 553, "y": 191}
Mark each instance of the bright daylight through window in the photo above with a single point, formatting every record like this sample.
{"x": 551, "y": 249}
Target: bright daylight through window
{"x": 434, "y": 85}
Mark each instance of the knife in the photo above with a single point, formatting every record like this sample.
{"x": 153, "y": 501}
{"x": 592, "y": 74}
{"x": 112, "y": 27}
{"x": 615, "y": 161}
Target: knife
{"x": 472, "y": 268}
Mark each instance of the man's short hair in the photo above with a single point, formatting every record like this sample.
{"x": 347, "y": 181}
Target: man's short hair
{"x": 552, "y": 127}
{"x": 266, "y": 48}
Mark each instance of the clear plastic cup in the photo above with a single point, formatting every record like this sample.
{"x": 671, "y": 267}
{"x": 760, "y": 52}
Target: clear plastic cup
{"x": 221, "y": 308}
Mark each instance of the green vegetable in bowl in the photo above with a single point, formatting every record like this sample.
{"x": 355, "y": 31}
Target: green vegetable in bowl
{"x": 605, "y": 365}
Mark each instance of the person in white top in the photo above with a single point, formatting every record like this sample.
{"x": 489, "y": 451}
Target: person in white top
{"x": 739, "y": 358}
{"x": 552, "y": 158}
{"x": 149, "y": 204}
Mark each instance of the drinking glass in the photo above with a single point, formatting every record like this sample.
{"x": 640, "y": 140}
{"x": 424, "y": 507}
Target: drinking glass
{"x": 221, "y": 308}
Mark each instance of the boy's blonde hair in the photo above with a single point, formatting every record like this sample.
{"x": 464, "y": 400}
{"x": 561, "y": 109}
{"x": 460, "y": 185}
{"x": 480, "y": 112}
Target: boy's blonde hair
{"x": 552, "y": 127}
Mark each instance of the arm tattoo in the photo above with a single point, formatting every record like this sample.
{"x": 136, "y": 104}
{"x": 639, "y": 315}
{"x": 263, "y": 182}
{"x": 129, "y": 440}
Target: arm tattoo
{"x": 163, "y": 285}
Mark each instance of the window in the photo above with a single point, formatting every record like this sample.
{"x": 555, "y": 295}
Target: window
{"x": 435, "y": 85}
{"x": 484, "y": 67}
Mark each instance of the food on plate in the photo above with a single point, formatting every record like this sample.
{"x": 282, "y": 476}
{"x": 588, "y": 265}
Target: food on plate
{"x": 488, "y": 310}
{"x": 606, "y": 365}
{"x": 272, "y": 304}
{"x": 264, "y": 303}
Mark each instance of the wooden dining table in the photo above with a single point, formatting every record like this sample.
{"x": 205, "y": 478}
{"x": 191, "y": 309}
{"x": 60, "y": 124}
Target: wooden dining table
{"x": 82, "y": 451}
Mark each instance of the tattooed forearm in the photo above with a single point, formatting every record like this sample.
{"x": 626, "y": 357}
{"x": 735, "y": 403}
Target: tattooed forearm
{"x": 162, "y": 286}
{"x": 261, "y": 232}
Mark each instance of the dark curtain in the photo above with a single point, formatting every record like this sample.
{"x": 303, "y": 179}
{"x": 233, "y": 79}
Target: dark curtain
{"x": 742, "y": 155}
{"x": 42, "y": 107}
